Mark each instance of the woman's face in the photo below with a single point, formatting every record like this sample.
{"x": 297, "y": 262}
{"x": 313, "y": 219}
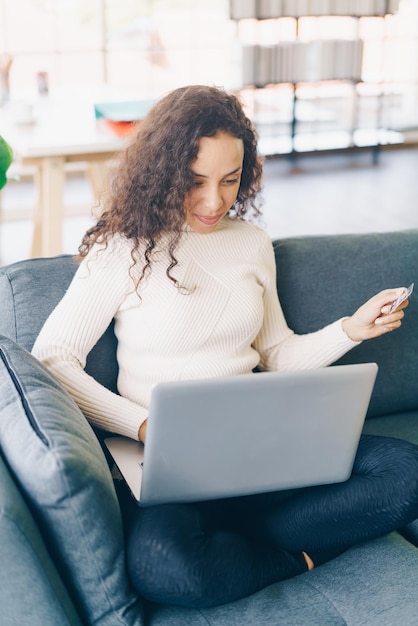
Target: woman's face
{"x": 217, "y": 175}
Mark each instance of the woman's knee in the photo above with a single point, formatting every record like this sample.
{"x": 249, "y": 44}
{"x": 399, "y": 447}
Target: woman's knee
{"x": 378, "y": 454}
{"x": 393, "y": 464}
{"x": 163, "y": 556}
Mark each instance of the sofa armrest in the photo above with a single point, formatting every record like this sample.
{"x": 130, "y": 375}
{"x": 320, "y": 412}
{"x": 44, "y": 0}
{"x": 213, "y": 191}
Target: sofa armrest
{"x": 31, "y": 590}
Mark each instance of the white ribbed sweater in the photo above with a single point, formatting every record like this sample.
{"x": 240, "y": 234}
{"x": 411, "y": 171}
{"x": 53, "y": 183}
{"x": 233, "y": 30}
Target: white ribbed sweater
{"x": 224, "y": 321}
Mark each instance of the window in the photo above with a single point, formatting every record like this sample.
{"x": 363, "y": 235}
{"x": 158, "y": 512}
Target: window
{"x": 149, "y": 46}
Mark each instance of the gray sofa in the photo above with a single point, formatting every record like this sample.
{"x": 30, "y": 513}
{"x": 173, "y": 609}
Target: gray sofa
{"x": 61, "y": 532}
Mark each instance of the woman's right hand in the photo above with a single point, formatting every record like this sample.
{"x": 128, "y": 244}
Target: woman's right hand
{"x": 142, "y": 432}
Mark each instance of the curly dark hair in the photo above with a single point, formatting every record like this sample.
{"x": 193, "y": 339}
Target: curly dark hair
{"x": 147, "y": 193}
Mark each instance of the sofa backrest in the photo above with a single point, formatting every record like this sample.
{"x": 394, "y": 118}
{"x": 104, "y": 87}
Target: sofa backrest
{"x": 319, "y": 280}
{"x": 323, "y": 278}
{"x": 29, "y": 290}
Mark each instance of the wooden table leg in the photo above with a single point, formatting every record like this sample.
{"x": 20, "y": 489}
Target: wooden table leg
{"x": 98, "y": 175}
{"x": 48, "y": 222}
{"x": 36, "y": 250}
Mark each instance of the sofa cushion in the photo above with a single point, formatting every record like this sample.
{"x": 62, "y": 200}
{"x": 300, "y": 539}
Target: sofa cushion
{"x": 31, "y": 590}
{"x": 323, "y": 278}
{"x": 58, "y": 462}
{"x": 401, "y": 425}
{"x": 29, "y": 290}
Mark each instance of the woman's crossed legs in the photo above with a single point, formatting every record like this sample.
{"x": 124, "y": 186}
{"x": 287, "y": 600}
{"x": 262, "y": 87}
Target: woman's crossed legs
{"x": 210, "y": 553}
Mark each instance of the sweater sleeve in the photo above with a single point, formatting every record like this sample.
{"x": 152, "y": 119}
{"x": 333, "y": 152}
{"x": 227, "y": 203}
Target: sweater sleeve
{"x": 75, "y": 325}
{"x": 279, "y": 347}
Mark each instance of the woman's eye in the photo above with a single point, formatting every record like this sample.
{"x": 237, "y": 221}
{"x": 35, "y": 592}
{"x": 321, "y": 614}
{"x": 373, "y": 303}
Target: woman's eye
{"x": 231, "y": 181}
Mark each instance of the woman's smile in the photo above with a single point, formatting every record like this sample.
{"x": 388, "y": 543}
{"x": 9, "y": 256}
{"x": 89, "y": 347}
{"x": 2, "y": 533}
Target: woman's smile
{"x": 207, "y": 219}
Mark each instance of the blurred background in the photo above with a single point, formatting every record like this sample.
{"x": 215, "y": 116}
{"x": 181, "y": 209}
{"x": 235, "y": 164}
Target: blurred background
{"x": 332, "y": 86}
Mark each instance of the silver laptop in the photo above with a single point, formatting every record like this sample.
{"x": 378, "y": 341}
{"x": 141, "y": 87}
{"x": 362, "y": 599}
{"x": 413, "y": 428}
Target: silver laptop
{"x": 247, "y": 434}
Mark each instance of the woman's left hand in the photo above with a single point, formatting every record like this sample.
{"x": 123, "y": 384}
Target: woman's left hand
{"x": 373, "y": 319}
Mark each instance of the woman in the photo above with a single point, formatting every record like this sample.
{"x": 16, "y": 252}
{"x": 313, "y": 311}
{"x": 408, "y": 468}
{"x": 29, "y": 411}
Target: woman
{"x": 191, "y": 285}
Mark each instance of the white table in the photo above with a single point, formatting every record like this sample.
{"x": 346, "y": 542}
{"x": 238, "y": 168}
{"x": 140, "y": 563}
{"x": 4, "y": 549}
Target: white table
{"x": 64, "y": 130}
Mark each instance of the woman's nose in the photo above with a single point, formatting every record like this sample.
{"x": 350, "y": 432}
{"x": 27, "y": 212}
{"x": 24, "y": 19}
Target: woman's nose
{"x": 212, "y": 199}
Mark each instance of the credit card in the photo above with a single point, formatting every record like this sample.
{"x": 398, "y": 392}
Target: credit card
{"x": 401, "y": 298}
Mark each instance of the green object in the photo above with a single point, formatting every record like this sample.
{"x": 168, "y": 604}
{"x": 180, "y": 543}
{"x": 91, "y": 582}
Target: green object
{"x": 6, "y": 157}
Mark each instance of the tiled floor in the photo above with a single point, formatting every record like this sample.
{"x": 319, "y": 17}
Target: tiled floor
{"x": 332, "y": 193}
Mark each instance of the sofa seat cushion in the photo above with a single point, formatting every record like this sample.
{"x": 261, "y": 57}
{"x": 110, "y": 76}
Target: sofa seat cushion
{"x": 55, "y": 457}
{"x": 402, "y": 425}
{"x": 372, "y": 584}
{"x": 31, "y": 590}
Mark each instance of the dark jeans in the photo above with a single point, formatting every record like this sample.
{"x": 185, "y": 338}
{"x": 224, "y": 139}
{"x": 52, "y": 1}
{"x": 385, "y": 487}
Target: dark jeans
{"x": 209, "y": 553}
